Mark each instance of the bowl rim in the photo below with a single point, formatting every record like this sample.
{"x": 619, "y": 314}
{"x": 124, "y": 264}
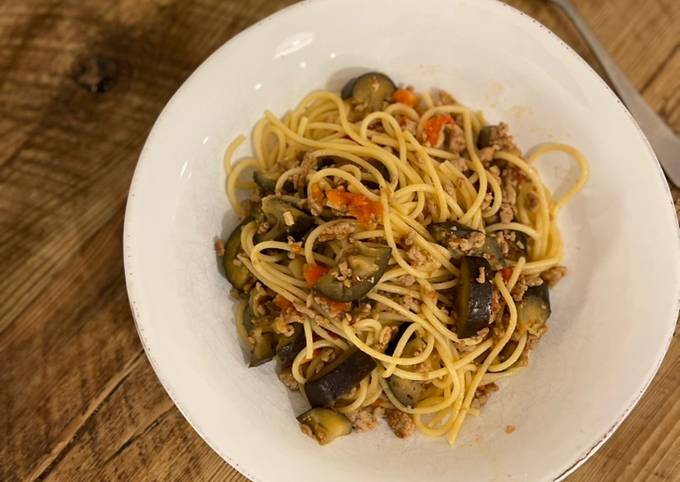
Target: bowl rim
{"x": 128, "y": 238}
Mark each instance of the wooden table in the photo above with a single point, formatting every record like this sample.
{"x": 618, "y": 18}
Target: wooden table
{"x": 81, "y": 82}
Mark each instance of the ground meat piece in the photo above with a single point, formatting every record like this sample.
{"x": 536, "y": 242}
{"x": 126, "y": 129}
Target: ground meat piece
{"x": 410, "y": 303}
{"x": 283, "y": 324}
{"x": 307, "y": 165}
{"x": 506, "y": 213}
{"x": 287, "y": 379}
{"x": 509, "y": 193}
{"x": 307, "y": 430}
{"x": 441, "y": 97}
{"x": 449, "y": 189}
{"x": 483, "y": 394}
{"x": 404, "y": 280}
{"x": 537, "y": 330}
{"x": 339, "y": 230}
{"x": 532, "y": 201}
{"x": 343, "y": 273}
{"x": 482, "y": 276}
{"x": 502, "y": 242}
{"x": 365, "y": 418}
{"x": 295, "y": 248}
{"x": 501, "y": 139}
{"x": 331, "y": 309}
{"x": 410, "y": 125}
{"x": 532, "y": 339}
{"x": 420, "y": 258}
{"x": 408, "y": 240}
{"x": 486, "y": 154}
{"x": 401, "y": 423}
{"x": 499, "y": 327}
{"x": 417, "y": 255}
{"x": 384, "y": 338}
{"x": 488, "y": 199}
{"x": 495, "y": 303}
{"x": 461, "y": 164}
{"x": 258, "y": 299}
{"x": 470, "y": 343}
{"x": 534, "y": 281}
{"x": 430, "y": 208}
{"x": 509, "y": 429}
{"x": 519, "y": 289}
{"x": 554, "y": 275}
{"x": 263, "y": 227}
{"x": 456, "y": 138}
{"x": 468, "y": 243}
{"x": 219, "y": 247}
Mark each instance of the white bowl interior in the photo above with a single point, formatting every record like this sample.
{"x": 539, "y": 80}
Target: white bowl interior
{"x": 612, "y": 316}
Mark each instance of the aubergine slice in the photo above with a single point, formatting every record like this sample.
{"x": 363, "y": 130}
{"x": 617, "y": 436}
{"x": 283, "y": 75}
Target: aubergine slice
{"x": 263, "y": 349}
{"x": 237, "y": 274}
{"x": 408, "y": 392}
{"x": 485, "y": 135}
{"x": 367, "y": 265}
{"x": 519, "y": 247}
{"x": 263, "y": 345}
{"x": 371, "y": 89}
{"x": 324, "y": 424}
{"x": 442, "y": 232}
{"x": 266, "y": 181}
{"x": 338, "y": 378}
{"x": 289, "y": 346}
{"x": 392, "y": 344}
{"x": 534, "y": 309}
{"x": 284, "y": 220}
{"x": 474, "y": 297}
{"x": 447, "y": 232}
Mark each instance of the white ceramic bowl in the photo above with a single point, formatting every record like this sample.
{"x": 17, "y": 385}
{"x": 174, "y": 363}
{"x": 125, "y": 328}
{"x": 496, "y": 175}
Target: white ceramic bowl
{"x": 613, "y": 316}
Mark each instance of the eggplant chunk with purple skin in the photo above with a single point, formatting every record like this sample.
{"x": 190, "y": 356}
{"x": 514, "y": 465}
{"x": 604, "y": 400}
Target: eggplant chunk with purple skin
{"x": 283, "y": 219}
{"x": 370, "y": 90}
{"x": 475, "y": 292}
{"x": 338, "y": 378}
{"x": 450, "y": 234}
{"x": 237, "y": 274}
{"x": 408, "y": 392}
{"x": 324, "y": 425}
{"x": 262, "y": 342}
{"x": 367, "y": 265}
{"x": 266, "y": 181}
{"x": 289, "y": 346}
{"x": 519, "y": 247}
{"x": 534, "y": 309}
{"x": 484, "y": 138}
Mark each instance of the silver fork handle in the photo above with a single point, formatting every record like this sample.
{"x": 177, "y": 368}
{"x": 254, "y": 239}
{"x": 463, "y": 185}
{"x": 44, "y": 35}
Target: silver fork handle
{"x": 664, "y": 141}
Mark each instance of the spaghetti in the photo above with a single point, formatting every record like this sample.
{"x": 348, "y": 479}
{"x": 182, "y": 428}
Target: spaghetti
{"x": 396, "y": 258}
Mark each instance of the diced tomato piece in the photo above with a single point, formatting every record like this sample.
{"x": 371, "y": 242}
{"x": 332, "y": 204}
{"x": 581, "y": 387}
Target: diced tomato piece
{"x": 336, "y": 307}
{"x": 313, "y": 273}
{"x": 317, "y": 193}
{"x": 283, "y": 303}
{"x": 506, "y": 273}
{"x": 366, "y": 211}
{"x": 434, "y": 126}
{"x": 405, "y": 96}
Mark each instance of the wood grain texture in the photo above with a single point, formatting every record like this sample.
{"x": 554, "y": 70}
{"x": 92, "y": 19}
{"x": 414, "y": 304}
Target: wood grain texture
{"x": 81, "y": 83}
